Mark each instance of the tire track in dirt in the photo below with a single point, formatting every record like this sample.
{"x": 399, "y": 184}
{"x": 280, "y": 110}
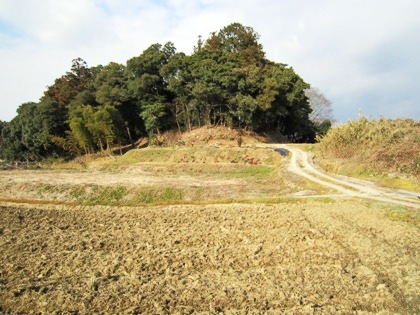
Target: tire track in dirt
{"x": 380, "y": 260}
{"x": 301, "y": 164}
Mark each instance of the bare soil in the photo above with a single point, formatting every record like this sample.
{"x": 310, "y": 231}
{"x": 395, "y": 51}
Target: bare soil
{"x": 326, "y": 245}
{"x": 205, "y": 174}
{"x": 303, "y": 258}
{"x": 301, "y": 164}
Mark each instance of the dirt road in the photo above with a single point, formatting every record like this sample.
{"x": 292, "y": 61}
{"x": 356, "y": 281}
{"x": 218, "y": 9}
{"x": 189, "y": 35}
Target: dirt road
{"x": 294, "y": 256}
{"x": 301, "y": 164}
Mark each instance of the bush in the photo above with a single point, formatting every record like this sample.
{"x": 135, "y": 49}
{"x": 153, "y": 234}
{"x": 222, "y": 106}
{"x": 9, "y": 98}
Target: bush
{"x": 385, "y": 145}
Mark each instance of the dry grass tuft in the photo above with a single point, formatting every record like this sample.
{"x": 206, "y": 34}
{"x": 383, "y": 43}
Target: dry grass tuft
{"x": 382, "y": 146}
{"x": 157, "y": 175}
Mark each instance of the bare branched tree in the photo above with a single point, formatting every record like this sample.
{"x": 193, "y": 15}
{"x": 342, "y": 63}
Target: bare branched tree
{"x": 321, "y": 106}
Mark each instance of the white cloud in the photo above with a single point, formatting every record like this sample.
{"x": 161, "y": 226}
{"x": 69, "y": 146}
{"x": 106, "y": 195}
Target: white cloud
{"x": 361, "y": 54}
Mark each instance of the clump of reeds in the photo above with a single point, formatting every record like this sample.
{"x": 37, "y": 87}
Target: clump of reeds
{"x": 384, "y": 145}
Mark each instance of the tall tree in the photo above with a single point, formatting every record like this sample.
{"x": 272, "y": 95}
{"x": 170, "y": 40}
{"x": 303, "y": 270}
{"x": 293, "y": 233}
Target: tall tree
{"x": 240, "y": 59}
{"x": 177, "y": 74}
{"x": 207, "y": 89}
{"x": 148, "y": 87}
{"x": 79, "y": 118}
{"x": 111, "y": 88}
{"x": 111, "y": 85}
{"x": 239, "y": 43}
{"x": 94, "y": 127}
{"x": 322, "y": 113}
{"x": 11, "y": 147}
{"x": 106, "y": 126}
{"x": 321, "y": 106}
{"x": 21, "y": 136}
{"x": 68, "y": 86}
{"x": 51, "y": 120}
{"x": 284, "y": 106}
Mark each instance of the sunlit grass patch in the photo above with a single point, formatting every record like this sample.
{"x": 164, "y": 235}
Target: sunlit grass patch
{"x": 164, "y": 176}
{"x": 123, "y": 196}
{"x": 97, "y": 195}
{"x": 403, "y": 214}
{"x": 323, "y": 199}
{"x": 202, "y": 155}
{"x": 401, "y": 183}
{"x": 147, "y": 155}
{"x": 251, "y": 171}
{"x": 158, "y": 196}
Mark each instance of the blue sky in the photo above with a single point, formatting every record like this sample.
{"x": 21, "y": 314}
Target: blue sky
{"x": 364, "y": 55}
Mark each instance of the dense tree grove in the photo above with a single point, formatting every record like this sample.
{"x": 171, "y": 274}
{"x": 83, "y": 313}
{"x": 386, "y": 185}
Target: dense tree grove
{"x": 226, "y": 80}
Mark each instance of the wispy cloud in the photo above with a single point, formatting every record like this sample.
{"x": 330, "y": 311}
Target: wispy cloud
{"x": 363, "y": 55}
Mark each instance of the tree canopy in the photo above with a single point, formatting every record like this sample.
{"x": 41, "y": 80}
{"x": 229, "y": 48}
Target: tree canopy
{"x": 226, "y": 80}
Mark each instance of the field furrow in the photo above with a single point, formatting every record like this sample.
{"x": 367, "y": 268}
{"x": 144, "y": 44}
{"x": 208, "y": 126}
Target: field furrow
{"x": 286, "y": 258}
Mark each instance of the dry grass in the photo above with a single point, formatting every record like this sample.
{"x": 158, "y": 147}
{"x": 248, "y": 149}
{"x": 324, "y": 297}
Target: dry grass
{"x": 81, "y": 244}
{"x": 161, "y": 176}
{"x": 374, "y": 147}
{"x": 220, "y": 136}
{"x": 304, "y": 258}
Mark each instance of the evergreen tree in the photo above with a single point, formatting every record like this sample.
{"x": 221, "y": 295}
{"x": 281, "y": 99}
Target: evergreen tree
{"x": 226, "y": 80}
{"x": 148, "y": 87}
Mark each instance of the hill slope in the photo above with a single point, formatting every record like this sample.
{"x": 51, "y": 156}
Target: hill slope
{"x": 384, "y": 146}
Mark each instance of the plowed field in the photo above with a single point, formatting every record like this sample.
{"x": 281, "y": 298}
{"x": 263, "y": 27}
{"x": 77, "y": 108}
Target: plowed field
{"x": 292, "y": 258}
{"x": 232, "y": 231}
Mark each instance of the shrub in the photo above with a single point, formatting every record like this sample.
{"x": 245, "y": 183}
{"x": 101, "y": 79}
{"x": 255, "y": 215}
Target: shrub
{"x": 385, "y": 145}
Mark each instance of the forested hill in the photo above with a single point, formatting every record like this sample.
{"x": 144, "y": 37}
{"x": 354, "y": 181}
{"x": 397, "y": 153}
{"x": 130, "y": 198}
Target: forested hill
{"x": 226, "y": 80}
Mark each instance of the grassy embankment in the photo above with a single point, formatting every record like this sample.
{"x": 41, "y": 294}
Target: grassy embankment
{"x": 156, "y": 176}
{"x": 385, "y": 151}
{"x": 184, "y": 172}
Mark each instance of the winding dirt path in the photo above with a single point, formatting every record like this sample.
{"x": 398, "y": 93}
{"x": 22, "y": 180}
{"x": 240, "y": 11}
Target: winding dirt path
{"x": 301, "y": 164}
{"x": 346, "y": 257}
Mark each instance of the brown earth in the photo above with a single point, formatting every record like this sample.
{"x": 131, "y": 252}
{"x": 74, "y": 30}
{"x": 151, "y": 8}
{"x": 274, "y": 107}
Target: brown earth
{"x": 301, "y": 164}
{"x": 213, "y": 135}
{"x": 345, "y": 257}
{"x": 300, "y": 242}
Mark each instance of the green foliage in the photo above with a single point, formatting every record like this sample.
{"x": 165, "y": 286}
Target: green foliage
{"x": 239, "y": 141}
{"x": 149, "y": 196}
{"x": 405, "y": 215}
{"x": 111, "y": 85}
{"x": 79, "y": 117}
{"x": 29, "y": 135}
{"x": 93, "y": 127}
{"x": 227, "y": 80}
{"x": 148, "y": 88}
{"x": 66, "y": 88}
{"x": 323, "y": 127}
{"x": 152, "y": 114}
{"x": 10, "y": 144}
{"x": 98, "y": 195}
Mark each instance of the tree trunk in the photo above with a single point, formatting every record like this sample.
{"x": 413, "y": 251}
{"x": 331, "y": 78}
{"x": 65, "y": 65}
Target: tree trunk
{"x": 101, "y": 146}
